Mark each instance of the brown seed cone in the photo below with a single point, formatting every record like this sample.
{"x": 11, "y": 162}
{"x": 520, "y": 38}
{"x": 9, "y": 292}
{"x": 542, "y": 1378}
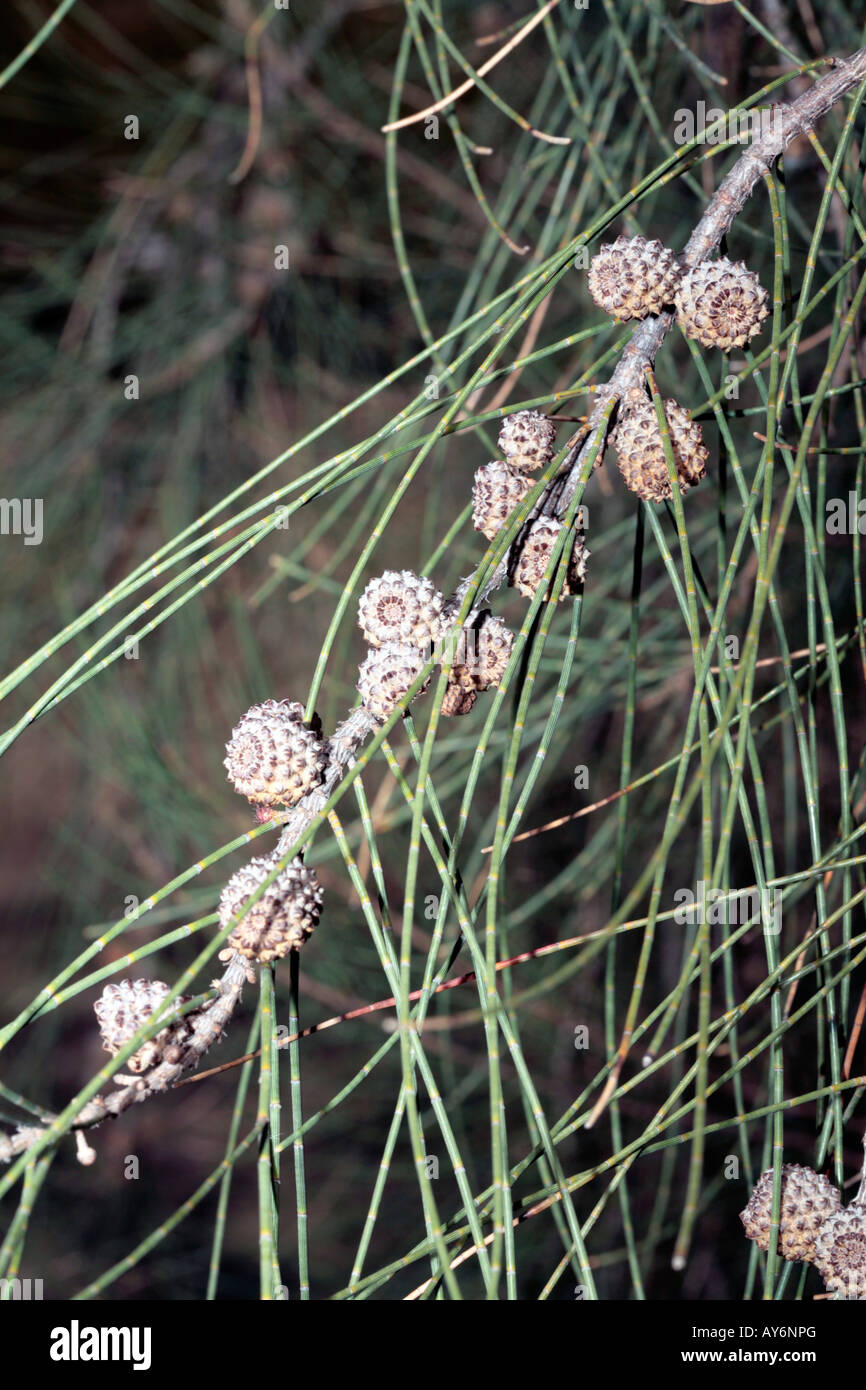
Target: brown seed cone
{"x": 535, "y": 557}
{"x": 840, "y": 1252}
{"x": 125, "y": 1007}
{"x": 386, "y": 675}
{"x": 497, "y": 490}
{"x": 282, "y": 919}
{"x": 400, "y": 606}
{"x": 640, "y": 453}
{"x": 527, "y": 439}
{"x": 808, "y": 1200}
{"x": 480, "y": 654}
{"x": 630, "y": 278}
{"x": 721, "y": 304}
{"x": 273, "y": 758}
{"x": 457, "y": 701}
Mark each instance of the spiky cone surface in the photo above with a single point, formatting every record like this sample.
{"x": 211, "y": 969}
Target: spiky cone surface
{"x": 282, "y": 919}
{"x": 721, "y": 304}
{"x": 272, "y": 757}
{"x": 637, "y": 440}
{"x": 632, "y": 277}
{"x": 497, "y": 490}
{"x": 386, "y": 675}
{"x": 535, "y": 558}
{"x": 808, "y": 1200}
{"x": 400, "y": 606}
{"x": 125, "y": 1007}
{"x": 840, "y": 1252}
{"x": 527, "y": 440}
{"x": 480, "y": 654}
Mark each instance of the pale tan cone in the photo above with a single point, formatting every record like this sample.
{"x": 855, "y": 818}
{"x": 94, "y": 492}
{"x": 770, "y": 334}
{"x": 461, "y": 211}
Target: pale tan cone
{"x": 631, "y": 277}
{"x": 282, "y": 919}
{"x": 808, "y": 1199}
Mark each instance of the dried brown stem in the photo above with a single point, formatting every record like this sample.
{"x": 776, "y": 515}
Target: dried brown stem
{"x": 482, "y": 71}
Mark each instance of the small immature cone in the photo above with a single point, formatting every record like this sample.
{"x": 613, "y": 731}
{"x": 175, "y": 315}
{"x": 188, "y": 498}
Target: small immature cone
{"x": 457, "y": 701}
{"x": 631, "y": 278}
{"x": 480, "y": 654}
